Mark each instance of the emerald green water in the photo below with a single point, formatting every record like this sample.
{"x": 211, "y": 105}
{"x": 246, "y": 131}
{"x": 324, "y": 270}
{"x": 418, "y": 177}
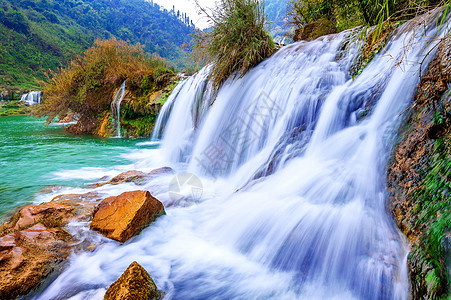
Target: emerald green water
{"x": 33, "y": 156}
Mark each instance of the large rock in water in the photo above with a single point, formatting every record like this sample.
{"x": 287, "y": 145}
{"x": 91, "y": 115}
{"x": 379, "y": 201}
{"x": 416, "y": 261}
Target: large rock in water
{"x": 33, "y": 244}
{"x": 137, "y": 177}
{"x": 134, "y": 284}
{"x": 122, "y": 217}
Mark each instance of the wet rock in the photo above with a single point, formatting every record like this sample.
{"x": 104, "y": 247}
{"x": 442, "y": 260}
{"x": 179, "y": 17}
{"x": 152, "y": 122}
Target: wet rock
{"x": 69, "y": 117}
{"x": 33, "y": 244}
{"x": 50, "y": 189}
{"x": 122, "y": 217}
{"x": 56, "y": 213}
{"x": 134, "y": 284}
{"x": 28, "y": 256}
{"x": 415, "y": 163}
{"x": 161, "y": 171}
{"x": 314, "y": 30}
{"x": 137, "y": 177}
{"x": 129, "y": 176}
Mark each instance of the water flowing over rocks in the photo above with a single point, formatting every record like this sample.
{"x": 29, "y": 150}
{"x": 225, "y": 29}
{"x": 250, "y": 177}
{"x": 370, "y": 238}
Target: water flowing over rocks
{"x": 33, "y": 243}
{"x": 137, "y": 177}
{"x": 414, "y": 159}
{"x": 316, "y": 227}
{"x": 122, "y": 217}
{"x": 134, "y": 284}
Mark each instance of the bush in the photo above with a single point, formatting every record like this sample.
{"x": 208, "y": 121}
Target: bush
{"x": 88, "y": 85}
{"x": 350, "y": 13}
{"x": 237, "y": 42}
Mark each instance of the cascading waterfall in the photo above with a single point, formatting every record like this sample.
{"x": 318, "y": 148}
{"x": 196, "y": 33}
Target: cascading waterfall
{"x": 31, "y": 98}
{"x": 116, "y": 107}
{"x": 292, "y": 158}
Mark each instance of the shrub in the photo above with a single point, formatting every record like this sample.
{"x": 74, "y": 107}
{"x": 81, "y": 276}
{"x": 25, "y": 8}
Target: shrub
{"x": 237, "y": 42}
{"x": 87, "y": 86}
{"x": 350, "y": 13}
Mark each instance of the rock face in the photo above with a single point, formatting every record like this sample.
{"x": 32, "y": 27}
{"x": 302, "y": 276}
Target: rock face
{"x": 134, "y": 284}
{"x": 419, "y": 178}
{"x": 122, "y": 217}
{"x": 314, "y": 30}
{"x": 33, "y": 244}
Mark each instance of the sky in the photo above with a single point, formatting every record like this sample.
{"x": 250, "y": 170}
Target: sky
{"x": 188, "y": 6}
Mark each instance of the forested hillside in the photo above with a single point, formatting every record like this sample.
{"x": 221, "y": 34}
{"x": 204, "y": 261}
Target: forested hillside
{"x": 37, "y": 35}
{"x": 276, "y": 13}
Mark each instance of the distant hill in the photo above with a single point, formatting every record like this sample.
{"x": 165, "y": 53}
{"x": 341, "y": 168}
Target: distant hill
{"x": 37, "y": 35}
{"x": 276, "y": 12}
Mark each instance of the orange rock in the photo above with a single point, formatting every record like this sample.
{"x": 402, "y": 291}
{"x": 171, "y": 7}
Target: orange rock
{"x": 29, "y": 256}
{"x": 33, "y": 244}
{"x": 56, "y": 213}
{"x": 121, "y": 217}
{"x": 134, "y": 284}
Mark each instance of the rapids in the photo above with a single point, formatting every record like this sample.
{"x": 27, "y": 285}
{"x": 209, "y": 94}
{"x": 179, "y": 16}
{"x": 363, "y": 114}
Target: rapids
{"x": 292, "y": 163}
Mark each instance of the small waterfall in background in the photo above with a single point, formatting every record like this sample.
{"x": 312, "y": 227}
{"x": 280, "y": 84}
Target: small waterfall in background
{"x": 116, "y": 107}
{"x": 1, "y": 95}
{"x": 292, "y": 159}
{"x": 31, "y": 98}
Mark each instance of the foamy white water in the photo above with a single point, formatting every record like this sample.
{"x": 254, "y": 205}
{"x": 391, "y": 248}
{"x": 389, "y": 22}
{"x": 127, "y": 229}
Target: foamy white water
{"x": 292, "y": 160}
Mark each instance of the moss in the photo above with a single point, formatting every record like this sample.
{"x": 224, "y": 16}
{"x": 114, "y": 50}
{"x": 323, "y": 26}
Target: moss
{"x": 142, "y": 126}
{"x": 419, "y": 178}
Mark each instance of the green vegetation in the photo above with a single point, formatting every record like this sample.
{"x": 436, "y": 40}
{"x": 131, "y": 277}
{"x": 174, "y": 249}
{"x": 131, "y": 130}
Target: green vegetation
{"x": 87, "y": 87}
{"x": 14, "y": 108}
{"x": 347, "y": 14}
{"x": 38, "y": 35}
{"x": 433, "y": 209}
{"x": 237, "y": 42}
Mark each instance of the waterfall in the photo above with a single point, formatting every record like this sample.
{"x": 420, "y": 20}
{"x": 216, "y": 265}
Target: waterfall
{"x": 1, "y": 95}
{"x": 116, "y": 107}
{"x": 31, "y": 98}
{"x": 292, "y": 160}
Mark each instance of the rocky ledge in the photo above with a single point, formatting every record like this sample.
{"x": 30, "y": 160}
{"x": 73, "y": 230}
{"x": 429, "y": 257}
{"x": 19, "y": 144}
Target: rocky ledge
{"x": 419, "y": 180}
{"x": 34, "y": 242}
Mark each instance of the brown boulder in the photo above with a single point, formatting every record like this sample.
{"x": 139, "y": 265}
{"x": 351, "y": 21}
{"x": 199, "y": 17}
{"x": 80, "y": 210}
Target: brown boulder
{"x": 121, "y": 217}
{"x": 134, "y": 284}
{"x": 56, "y": 213}
{"x": 314, "y": 30}
{"x": 29, "y": 256}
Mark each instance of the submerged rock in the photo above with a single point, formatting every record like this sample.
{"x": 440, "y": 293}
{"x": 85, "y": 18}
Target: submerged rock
{"x": 137, "y": 177}
{"x": 122, "y": 217}
{"x": 134, "y": 284}
{"x": 33, "y": 244}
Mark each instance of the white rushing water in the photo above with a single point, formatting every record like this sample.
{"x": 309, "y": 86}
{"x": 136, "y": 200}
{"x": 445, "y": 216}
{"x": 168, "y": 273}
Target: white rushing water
{"x": 31, "y": 98}
{"x": 292, "y": 162}
{"x": 116, "y": 107}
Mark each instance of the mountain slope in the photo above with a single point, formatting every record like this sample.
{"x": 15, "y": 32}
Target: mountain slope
{"x": 37, "y": 35}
